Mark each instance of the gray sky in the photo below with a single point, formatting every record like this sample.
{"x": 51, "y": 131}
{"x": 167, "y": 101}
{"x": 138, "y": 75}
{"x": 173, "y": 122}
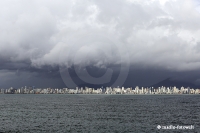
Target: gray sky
{"x": 149, "y": 39}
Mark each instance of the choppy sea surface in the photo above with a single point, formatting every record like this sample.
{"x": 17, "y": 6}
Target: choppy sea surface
{"x": 97, "y": 113}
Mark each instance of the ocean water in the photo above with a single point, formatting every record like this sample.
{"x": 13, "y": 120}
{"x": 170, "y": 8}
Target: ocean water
{"x": 98, "y": 113}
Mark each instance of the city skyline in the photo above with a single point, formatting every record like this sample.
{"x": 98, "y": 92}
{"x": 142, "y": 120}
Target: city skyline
{"x": 102, "y": 90}
{"x": 99, "y": 66}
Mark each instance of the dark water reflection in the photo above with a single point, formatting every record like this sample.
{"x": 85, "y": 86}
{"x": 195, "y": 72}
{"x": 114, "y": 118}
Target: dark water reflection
{"x": 97, "y": 113}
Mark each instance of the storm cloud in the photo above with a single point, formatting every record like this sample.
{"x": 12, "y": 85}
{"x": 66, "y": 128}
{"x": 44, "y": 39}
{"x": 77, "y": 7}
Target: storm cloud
{"x": 38, "y": 37}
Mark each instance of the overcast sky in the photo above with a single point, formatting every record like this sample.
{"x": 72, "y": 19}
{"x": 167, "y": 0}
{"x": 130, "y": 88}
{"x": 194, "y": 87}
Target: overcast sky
{"x": 139, "y": 41}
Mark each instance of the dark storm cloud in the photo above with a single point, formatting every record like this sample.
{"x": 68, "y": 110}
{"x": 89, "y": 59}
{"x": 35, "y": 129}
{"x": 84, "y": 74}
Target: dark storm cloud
{"x": 39, "y": 36}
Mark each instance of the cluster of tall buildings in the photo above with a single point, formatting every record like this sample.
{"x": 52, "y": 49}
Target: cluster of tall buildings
{"x": 107, "y": 90}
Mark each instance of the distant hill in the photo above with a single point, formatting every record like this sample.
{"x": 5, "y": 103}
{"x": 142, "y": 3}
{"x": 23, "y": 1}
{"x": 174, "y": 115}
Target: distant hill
{"x": 170, "y": 82}
{"x": 166, "y": 82}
